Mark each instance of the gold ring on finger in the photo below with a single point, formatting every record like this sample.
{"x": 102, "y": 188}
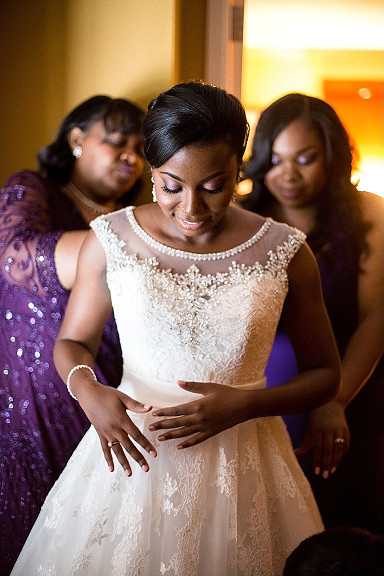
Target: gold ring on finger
{"x": 339, "y": 441}
{"x": 110, "y": 444}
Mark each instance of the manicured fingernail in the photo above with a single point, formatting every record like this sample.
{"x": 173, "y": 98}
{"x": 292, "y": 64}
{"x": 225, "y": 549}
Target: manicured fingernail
{"x": 333, "y": 470}
{"x": 317, "y": 470}
{"x": 325, "y": 474}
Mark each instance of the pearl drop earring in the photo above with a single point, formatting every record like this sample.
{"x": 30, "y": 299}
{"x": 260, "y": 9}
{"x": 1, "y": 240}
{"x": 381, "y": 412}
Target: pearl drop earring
{"x": 153, "y": 190}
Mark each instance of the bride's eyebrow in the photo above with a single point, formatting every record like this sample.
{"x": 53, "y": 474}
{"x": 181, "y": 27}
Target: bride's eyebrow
{"x": 211, "y": 177}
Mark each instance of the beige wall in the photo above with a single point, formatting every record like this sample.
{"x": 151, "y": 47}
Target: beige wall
{"x": 119, "y": 47}
{"x": 55, "y": 53}
{"x": 32, "y": 78}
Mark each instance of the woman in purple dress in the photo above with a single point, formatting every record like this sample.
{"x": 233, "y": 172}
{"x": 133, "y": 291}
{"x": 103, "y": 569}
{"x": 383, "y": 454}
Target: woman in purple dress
{"x": 95, "y": 160}
{"x": 301, "y": 170}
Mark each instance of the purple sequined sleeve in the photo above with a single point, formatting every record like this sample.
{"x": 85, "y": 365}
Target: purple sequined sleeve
{"x": 26, "y": 238}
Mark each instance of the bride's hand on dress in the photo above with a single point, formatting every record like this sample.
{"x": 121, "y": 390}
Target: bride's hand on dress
{"x": 328, "y": 436}
{"x": 220, "y": 407}
{"x": 106, "y": 409}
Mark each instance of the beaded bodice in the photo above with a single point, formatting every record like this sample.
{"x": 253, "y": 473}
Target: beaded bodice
{"x": 191, "y": 255}
{"x": 215, "y": 324}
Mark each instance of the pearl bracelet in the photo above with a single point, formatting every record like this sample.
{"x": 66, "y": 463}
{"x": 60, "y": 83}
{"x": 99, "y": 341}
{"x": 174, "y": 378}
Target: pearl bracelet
{"x": 78, "y": 367}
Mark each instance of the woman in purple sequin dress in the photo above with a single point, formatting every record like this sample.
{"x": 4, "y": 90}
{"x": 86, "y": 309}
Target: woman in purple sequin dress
{"x": 94, "y": 162}
{"x": 301, "y": 169}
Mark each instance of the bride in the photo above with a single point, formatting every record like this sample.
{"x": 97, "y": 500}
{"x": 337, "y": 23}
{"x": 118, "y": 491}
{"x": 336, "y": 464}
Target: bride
{"x": 197, "y": 286}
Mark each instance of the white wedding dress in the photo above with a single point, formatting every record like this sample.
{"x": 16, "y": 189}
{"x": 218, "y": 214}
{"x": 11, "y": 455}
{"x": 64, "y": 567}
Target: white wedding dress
{"x": 236, "y": 504}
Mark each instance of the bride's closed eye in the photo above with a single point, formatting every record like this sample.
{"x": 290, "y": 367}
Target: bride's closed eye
{"x": 171, "y": 190}
{"x": 213, "y": 190}
{"x": 208, "y": 190}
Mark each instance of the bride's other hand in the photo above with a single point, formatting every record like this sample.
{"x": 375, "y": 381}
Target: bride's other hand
{"x": 106, "y": 408}
{"x": 219, "y": 408}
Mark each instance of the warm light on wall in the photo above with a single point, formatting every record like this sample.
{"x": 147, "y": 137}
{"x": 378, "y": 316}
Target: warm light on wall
{"x": 359, "y": 103}
{"x": 319, "y": 24}
{"x": 370, "y": 176}
{"x": 302, "y": 46}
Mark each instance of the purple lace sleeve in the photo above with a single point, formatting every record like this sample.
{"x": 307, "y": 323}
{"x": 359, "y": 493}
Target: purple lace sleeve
{"x": 27, "y": 241}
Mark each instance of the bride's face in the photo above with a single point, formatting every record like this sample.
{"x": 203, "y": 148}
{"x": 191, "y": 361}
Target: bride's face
{"x": 195, "y": 186}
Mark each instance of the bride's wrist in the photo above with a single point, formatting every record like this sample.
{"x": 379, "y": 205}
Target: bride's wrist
{"x": 72, "y": 371}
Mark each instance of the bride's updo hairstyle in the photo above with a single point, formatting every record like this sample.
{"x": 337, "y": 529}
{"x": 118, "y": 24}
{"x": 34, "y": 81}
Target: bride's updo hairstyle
{"x": 193, "y": 113}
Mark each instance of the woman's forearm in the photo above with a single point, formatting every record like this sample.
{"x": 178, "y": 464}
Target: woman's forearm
{"x": 361, "y": 357}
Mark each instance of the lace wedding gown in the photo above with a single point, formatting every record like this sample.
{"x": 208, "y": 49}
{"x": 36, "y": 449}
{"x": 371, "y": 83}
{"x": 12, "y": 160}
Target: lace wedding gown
{"x": 236, "y": 504}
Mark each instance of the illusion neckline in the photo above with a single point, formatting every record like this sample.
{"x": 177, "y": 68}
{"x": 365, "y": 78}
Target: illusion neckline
{"x": 197, "y": 257}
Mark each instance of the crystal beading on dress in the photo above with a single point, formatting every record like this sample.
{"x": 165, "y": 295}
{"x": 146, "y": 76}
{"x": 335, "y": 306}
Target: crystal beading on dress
{"x": 192, "y": 255}
{"x": 194, "y": 296}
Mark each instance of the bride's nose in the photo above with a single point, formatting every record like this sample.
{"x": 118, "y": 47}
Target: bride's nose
{"x": 192, "y": 202}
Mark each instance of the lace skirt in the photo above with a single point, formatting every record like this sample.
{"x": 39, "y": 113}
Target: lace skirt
{"x": 237, "y": 504}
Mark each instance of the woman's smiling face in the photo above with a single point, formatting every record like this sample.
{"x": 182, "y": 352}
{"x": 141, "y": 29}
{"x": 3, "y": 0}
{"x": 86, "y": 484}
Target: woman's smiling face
{"x": 195, "y": 186}
{"x": 298, "y": 172}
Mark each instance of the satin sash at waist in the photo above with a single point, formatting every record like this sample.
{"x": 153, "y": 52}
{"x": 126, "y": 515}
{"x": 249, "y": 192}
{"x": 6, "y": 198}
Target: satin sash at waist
{"x": 160, "y": 393}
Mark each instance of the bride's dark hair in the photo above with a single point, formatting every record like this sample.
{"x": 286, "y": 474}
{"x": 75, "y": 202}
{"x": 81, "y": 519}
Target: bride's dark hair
{"x": 193, "y": 113}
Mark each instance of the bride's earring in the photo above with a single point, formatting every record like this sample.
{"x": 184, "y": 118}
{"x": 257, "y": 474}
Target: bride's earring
{"x": 77, "y": 151}
{"x": 153, "y": 190}
{"x": 234, "y": 197}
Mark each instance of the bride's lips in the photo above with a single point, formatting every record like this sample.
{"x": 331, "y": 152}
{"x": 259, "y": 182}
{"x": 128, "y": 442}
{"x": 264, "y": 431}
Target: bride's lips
{"x": 190, "y": 224}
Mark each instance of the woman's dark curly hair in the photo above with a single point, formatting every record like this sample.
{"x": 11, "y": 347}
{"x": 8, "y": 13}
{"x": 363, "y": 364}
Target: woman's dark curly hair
{"x": 117, "y": 114}
{"x": 338, "y": 551}
{"x": 193, "y": 113}
{"x": 339, "y": 210}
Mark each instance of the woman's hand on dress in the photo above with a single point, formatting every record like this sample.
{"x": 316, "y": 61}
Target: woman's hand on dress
{"x": 328, "y": 435}
{"x": 106, "y": 409}
{"x": 218, "y": 409}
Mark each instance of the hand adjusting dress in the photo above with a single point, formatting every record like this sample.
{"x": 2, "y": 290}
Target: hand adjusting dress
{"x": 236, "y": 504}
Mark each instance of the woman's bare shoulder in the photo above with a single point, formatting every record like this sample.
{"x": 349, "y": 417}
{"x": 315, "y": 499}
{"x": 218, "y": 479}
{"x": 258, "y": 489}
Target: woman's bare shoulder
{"x": 372, "y": 206}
